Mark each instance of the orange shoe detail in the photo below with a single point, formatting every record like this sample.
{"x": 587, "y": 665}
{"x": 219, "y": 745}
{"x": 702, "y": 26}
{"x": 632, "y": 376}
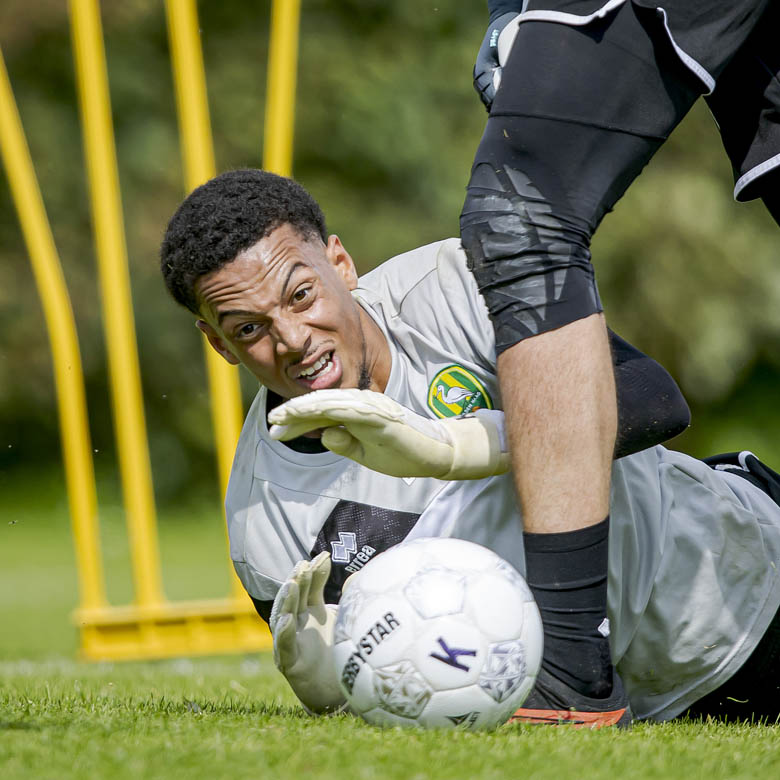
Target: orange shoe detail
{"x": 572, "y": 718}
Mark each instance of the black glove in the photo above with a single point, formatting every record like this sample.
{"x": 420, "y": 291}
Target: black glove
{"x": 492, "y": 55}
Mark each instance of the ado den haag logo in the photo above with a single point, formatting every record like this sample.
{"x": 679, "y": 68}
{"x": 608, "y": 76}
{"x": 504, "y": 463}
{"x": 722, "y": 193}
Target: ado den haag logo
{"x": 455, "y": 390}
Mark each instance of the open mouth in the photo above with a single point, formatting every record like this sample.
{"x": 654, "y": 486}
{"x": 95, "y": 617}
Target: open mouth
{"x": 318, "y": 369}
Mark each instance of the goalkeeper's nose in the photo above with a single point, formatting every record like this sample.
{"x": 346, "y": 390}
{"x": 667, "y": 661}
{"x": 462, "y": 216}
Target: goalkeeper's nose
{"x": 291, "y": 337}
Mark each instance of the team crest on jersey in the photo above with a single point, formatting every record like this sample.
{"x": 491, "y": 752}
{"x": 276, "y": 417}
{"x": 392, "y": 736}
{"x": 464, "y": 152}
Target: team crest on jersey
{"x": 455, "y": 390}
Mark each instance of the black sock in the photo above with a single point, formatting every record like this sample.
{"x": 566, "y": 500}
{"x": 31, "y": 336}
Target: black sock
{"x": 567, "y": 573}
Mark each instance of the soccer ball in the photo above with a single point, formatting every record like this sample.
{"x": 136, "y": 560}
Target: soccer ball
{"x": 437, "y": 633}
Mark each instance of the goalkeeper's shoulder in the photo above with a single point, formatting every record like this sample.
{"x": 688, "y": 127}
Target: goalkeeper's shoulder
{"x": 396, "y": 278}
{"x": 434, "y": 277}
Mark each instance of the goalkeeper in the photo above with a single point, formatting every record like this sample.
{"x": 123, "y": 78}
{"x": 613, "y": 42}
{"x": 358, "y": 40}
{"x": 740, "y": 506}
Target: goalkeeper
{"x": 398, "y": 356}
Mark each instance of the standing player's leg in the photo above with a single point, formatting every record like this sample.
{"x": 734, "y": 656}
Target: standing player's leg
{"x": 566, "y": 136}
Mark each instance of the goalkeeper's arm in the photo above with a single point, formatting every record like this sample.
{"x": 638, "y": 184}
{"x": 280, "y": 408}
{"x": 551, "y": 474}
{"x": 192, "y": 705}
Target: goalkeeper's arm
{"x": 379, "y": 433}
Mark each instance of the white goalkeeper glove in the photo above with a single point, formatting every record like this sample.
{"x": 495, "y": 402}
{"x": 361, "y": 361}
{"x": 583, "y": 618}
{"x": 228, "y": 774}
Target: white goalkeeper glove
{"x": 492, "y": 56}
{"x": 302, "y": 627}
{"x": 379, "y": 433}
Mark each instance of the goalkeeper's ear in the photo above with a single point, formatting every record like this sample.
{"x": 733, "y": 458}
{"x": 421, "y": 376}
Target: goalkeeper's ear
{"x": 217, "y": 342}
{"x": 342, "y": 261}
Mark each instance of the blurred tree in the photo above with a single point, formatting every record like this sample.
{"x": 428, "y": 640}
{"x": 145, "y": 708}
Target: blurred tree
{"x": 386, "y": 126}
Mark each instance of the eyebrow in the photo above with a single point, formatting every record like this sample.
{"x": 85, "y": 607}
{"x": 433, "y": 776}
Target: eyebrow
{"x": 295, "y": 267}
{"x": 244, "y": 313}
{"x": 234, "y": 313}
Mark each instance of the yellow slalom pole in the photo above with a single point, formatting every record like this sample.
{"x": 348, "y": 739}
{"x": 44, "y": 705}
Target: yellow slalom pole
{"x": 280, "y": 100}
{"x": 68, "y": 376}
{"x": 99, "y": 150}
{"x": 191, "y": 101}
{"x": 198, "y": 158}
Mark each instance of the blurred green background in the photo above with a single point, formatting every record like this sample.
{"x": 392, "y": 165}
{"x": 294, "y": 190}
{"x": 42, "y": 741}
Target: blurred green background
{"x": 386, "y": 125}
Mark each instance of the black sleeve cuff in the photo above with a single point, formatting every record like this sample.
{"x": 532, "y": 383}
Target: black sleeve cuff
{"x": 263, "y": 608}
{"x": 651, "y": 407}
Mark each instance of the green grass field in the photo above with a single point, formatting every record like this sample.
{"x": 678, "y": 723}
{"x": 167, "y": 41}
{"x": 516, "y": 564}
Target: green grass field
{"x": 234, "y": 717}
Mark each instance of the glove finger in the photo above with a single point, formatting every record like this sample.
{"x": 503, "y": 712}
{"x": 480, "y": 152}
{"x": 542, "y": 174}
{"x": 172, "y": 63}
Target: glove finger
{"x": 295, "y": 429}
{"x": 320, "y": 571}
{"x": 302, "y": 565}
{"x": 290, "y": 604}
{"x": 285, "y": 603}
{"x": 303, "y": 410}
{"x": 483, "y": 82}
{"x": 487, "y": 96}
{"x": 303, "y": 579}
{"x": 292, "y": 423}
{"x": 340, "y": 441}
{"x": 332, "y": 407}
{"x": 296, "y": 417}
{"x": 310, "y": 403}
{"x": 285, "y": 645}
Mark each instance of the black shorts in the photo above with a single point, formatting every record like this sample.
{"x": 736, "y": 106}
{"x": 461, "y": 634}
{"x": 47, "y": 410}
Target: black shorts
{"x": 730, "y": 48}
{"x": 706, "y": 33}
{"x": 746, "y": 106}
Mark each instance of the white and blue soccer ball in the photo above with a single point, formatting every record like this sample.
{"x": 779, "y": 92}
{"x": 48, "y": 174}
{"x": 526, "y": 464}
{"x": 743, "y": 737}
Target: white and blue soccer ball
{"x": 437, "y": 633}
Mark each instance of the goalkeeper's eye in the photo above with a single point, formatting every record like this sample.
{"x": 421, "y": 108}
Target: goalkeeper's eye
{"x": 302, "y": 294}
{"x": 248, "y": 330}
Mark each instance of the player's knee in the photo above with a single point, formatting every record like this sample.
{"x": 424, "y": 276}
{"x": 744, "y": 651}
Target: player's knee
{"x": 531, "y": 265}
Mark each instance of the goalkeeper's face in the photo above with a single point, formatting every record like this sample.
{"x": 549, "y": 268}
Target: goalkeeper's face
{"x": 283, "y": 309}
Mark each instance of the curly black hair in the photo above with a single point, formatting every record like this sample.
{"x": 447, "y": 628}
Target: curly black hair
{"x": 227, "y": 215}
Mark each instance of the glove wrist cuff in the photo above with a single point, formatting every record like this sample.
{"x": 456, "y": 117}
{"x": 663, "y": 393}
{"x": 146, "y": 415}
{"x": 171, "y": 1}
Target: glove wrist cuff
{"x": 479, "y": 448}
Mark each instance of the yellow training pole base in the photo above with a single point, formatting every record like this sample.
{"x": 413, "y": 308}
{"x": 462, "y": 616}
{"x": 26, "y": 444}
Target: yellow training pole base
{"x": 170, "y": 629}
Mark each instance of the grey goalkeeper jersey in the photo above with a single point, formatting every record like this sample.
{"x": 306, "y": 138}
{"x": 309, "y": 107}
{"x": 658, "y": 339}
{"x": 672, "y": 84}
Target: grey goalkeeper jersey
{"x": 693, "y": 553}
